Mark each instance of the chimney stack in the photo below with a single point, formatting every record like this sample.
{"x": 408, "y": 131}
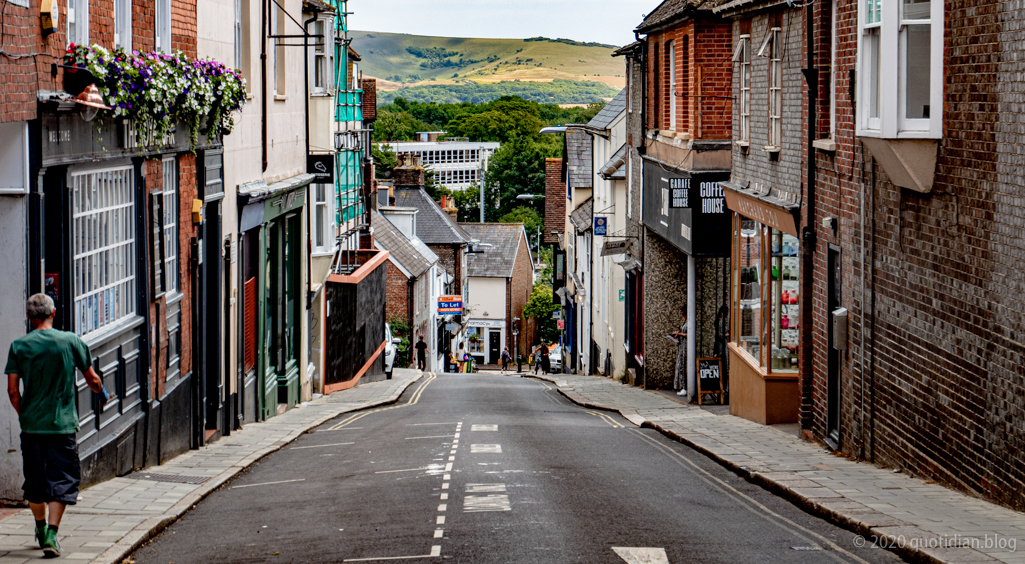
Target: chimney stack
{"x": 409, "y": 173}
{"x": 448, "y": 205}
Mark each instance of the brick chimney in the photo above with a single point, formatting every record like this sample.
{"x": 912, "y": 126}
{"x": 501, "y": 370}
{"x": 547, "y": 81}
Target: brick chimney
{"x": 409, "y": 173}
{"x": 448, "y": 205}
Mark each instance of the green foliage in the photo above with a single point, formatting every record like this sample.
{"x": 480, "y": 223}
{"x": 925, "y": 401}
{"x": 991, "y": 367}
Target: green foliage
{"x": 518, "y": 167}
{"x": 400, "y": 329}
{"x": 385, "y": 160}
{"x": 540, "y": 307}
{"x": 468, "y": 202}
{"x": 558, "y": 91}
{"x": 495, "y": 125}
{"x": 570, "y": 42}
{"x": 530, "y": 219}
{"x": 547, "y": 273}
{"x": 397, "y": 126}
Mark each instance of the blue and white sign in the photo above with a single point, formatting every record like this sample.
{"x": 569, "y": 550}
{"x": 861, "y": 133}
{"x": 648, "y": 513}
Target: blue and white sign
{"x": 601, "y": 224}
{"x": 450, "y": 305}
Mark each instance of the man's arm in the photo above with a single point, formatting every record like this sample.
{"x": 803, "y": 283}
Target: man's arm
{"x": 92, "y": 379}
{"x": 13, "y": 392}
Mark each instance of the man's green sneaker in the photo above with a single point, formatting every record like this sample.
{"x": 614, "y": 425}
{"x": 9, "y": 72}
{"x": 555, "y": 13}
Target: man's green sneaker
{"x": 41, "y": 535}
{"x": 51, "y": 548}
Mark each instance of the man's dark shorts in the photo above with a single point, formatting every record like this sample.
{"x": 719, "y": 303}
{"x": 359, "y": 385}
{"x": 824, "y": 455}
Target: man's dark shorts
{"x": 52, "y": 471}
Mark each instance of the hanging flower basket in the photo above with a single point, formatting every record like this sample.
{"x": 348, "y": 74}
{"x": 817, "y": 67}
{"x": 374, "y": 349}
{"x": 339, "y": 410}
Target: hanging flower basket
{"x": 158, "y": 90}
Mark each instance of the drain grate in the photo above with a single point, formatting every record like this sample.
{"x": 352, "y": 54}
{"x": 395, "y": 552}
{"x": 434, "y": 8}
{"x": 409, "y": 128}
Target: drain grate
{"x": 172, "y": 478}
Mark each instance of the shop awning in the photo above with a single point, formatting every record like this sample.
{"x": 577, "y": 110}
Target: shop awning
{"x": 765, "y": 205}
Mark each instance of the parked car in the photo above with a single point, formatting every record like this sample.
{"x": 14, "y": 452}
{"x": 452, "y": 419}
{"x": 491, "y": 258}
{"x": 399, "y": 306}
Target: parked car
{"x": 555, "y": 358}
{"x": 390, "y": 350}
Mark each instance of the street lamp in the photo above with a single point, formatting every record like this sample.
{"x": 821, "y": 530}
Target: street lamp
{"x": 516, "y": 344}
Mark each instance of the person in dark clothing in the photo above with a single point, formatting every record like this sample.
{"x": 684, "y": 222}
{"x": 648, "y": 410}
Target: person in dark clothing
{"x": 546, "y": 360}
{"x": 421, "y": 354}
{"x": 44, "y": 364}
{"x": 506, "y": 357}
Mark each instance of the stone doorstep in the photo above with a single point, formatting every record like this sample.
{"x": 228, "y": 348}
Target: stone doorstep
{"x": 812, "y": 496}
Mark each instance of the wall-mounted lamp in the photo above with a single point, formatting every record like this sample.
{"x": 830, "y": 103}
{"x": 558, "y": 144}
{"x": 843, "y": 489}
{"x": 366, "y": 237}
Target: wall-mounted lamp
{"x": 92, "y": 101}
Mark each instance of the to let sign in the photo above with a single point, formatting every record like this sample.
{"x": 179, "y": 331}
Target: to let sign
{"x": 450, "y": 305}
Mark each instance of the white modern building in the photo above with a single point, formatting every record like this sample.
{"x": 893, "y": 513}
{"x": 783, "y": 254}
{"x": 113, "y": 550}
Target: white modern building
{"x": 456, "y": 164}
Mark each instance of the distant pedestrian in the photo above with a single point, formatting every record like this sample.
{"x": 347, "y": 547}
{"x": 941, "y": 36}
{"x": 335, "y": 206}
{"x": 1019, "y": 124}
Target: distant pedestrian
{"x": 421, "y": 354}
{"x": 506, "y": 357}
{"x": 680, "y": 383}
{"x": 44, "y": 362}
{"x": 546, "y": 360}
{"x": 535, "y": 358}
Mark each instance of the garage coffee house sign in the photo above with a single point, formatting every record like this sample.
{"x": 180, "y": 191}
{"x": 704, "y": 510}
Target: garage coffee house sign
{"x": 688, "y": 209}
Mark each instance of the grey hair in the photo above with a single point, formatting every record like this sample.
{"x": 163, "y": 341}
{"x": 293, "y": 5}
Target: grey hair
{"x": 39, "y": 307}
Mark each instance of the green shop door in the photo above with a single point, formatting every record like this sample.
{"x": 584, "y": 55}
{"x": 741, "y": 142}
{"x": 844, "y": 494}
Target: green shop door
{"x": 282, "y": 315}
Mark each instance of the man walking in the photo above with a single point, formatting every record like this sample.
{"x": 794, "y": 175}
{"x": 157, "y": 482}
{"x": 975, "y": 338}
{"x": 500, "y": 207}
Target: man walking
{"x": 45, "y": 361}
{"x": 421, "y": 354}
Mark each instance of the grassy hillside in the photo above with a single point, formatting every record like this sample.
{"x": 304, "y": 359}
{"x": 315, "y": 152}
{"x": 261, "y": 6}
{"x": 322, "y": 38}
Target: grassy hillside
{"x": 400, "y": 60}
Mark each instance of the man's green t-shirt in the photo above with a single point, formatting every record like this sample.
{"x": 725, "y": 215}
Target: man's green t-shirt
{"x": 46, "y": 360}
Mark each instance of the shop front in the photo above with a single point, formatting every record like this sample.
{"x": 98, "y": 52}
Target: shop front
{"x": 273, "y": 268}
{"x": 485, "y": 340}
{"x": 684, "y": 278}
{"x": 763, "y": 369}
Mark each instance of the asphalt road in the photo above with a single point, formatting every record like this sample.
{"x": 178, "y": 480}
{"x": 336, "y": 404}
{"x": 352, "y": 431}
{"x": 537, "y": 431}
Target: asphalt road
{"x": 488, "y": 468}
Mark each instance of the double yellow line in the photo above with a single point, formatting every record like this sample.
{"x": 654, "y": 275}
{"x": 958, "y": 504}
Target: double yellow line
{"x": 431, "y": 376}
{"x": 607, "y": 419}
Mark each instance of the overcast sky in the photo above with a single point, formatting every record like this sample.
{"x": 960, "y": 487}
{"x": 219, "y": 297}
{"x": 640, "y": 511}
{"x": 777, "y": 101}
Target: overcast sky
{"x": 604, "y": 21}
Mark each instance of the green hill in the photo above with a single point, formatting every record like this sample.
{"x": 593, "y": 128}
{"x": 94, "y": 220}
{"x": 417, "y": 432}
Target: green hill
{"x": 401, "y": 61}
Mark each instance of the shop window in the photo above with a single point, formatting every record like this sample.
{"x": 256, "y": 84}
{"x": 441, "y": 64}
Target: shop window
{"x": 475, "y": 340}
{"x": 103, "y": 239}
{"x": 766, "y": 284}
{"x": 903, "y": 95}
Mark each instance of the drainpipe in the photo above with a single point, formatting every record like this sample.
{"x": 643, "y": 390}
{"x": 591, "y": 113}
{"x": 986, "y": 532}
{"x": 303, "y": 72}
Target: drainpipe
{"x": 692, "y": 335}
{"x": 263, "y": 81}
{"x": 808, "y": 232}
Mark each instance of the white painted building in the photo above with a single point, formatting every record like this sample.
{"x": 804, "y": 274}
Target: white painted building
{"x": 456, "y": 164}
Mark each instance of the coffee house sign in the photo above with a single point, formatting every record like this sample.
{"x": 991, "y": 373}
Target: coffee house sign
{"x": 687, "y": 208}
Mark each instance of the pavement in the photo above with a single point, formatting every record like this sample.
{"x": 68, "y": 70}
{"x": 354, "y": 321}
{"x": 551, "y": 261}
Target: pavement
{"x": 917, "y": 518}
{"x": 113, "y": 518}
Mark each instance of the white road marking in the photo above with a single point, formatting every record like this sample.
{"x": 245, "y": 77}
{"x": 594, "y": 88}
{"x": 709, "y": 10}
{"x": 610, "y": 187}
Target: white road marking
{"x": 448, "y": 467}
{"x": 268, "y": 483}
{"x": 484, "y": 427}
{"x": 440, "y": 520}
{"x": 326, "y": 430}
{"x": 444, "y": 486}
{"x": 426, "y": 424}
{"x": 406, "y": 470}
{"x": 456, "y": 435}
{"x": 438, "y": 533}
{"x": 485, "y": 449}
{"x": 482, "y": 503}
{"x": 485, "y": 488}
{"x": 431, "y": 437}
{"x": 435, "y": 552}
{"x": 447, "y": 477}
{"x": 642, "y": 555}
{"x": 451, "y": 458}
{"x": 444, "y": 496}
{"x": 442, "y": 507}
{"x": 321, "y": 446}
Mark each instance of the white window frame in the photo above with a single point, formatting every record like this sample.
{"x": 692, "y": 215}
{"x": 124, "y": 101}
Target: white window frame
{"x": 671, "y": 47}
{"x": 278, "y": 25}
{"x": 327, "y": 244}
{"x": 104, "y": 248}
{"x": 832, "y": 71}
{"x": 321, "y": 57}
{"x": 892, "y": 30}
{"x": 169, "y": 170}
{"x": 78, "y": 21}
{"x": 162, "y": 26}
{"x": 123, "y": 24}
{"x": 774, "y": 140}
{"x": 742, "y": 55}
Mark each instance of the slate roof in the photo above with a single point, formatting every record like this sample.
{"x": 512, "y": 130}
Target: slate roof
{"x": 613, "y": 170}
{"x": 498, "y": 260}
{"x": 581, "y": 217}
{"x": 433, "y": 225}
{"x": 670, "y": 10}
{"x": 578, "y": 159}
{"x": 608, "y": 114}
{"x": 415, "y": 259}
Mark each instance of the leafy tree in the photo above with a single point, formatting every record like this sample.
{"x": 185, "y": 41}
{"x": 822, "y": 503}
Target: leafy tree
{"x": 530, "y": 219}
{"x": 400, "y": 329}
{"x": 385, "y": 160}
{"x": 397, "y": 126}
{"x": 540, "y": 307}
{"x": 495, "y": 125}
{"x": 546, "y": 274}
{"x": 468, "y": 202}
{"x": 516, "y": 168}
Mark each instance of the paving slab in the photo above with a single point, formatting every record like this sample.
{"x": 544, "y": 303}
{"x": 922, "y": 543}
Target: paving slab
{"x": 114, "y": 517}
{"x": 916, "y": 518}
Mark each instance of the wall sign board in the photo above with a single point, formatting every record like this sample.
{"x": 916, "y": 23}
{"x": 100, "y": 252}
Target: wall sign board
{"x": 601, "y": 226}
{"x": 687, "y": 208}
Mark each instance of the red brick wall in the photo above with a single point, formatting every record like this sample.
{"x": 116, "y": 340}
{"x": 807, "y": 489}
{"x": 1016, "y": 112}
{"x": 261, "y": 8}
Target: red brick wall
{"x": 396, "y": 301}
{"x": 703, "y": 78}
{"x": 183, "y": 27}
{"x": 187, "y": 192}
{"x": 555, "y": 201}
{"x": 519, "y": 288}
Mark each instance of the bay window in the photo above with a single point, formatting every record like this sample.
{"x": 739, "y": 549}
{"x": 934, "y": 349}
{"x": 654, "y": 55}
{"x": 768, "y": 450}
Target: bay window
{"x": 903, "y": 95}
